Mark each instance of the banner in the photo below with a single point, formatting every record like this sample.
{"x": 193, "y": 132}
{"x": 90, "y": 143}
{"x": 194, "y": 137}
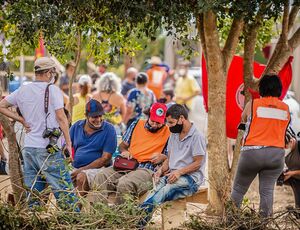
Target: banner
{"x": 235, "y": 86}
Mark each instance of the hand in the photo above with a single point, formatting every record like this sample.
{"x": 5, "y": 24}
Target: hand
{"x": 158, "y": 158}
{"x": 75, "y": 173}
{"x": 157, "y": 175}
{"x": 288, "y": 175}
{"x": 126, "y": 154}
{"x": 173, "y": 176}
{"x": 292, "y": 144}
{"x": 69, "y": 148}
{"x": 26, "y": 126}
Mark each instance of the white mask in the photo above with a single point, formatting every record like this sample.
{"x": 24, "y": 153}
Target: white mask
{"x": 181, "y": 72}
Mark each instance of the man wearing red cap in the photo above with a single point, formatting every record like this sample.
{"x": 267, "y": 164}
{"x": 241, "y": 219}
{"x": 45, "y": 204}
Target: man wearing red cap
{"x": 145, "y": 141}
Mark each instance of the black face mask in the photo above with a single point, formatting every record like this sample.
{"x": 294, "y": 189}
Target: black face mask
{"x": 176, "y": 128}
{"x": 150, "y": 128}
{"x": 162, "y": 100}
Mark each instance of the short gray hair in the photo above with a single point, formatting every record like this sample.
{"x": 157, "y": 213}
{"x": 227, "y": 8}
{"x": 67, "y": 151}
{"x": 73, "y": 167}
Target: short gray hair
{"x": 108, "y": 82}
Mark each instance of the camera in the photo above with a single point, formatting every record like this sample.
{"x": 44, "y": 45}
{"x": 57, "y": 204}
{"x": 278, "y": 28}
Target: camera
{"x": 53, "y": 135}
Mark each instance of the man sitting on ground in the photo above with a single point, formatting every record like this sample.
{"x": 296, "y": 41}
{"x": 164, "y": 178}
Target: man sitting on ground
{"x": 145, "y": 141}
{"x": 183, "y": 172}
{"x": 94, "y": 141}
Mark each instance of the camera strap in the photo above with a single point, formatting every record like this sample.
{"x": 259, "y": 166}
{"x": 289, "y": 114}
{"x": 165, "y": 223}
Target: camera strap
{"x": 46, "y": 103}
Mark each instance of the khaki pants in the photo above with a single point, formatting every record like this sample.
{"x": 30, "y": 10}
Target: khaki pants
{"x": 136, "y": 183}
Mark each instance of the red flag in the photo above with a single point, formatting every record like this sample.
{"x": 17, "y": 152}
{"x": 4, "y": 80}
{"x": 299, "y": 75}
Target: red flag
{"x": 235, "y": 86}
{"x": 40, "y": 51}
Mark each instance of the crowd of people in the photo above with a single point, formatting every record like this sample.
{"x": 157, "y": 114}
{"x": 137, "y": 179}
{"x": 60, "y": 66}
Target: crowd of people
{"x": 143, "y": 122}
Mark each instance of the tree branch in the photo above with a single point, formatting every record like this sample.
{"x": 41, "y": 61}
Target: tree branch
{"x": 292, "y": 17}
{"x": 232, "y": 40}
{"x": 285, "y": 22}
{"x": 211, "y": 33}
{"x": 295, "y": 40}
{"x": 249, "y": 51}
{"x": 200, "y": 28}
{"x": 77, "y": 60}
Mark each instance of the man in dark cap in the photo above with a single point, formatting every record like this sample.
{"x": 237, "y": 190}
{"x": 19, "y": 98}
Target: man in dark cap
{"x": 94, "y": 141}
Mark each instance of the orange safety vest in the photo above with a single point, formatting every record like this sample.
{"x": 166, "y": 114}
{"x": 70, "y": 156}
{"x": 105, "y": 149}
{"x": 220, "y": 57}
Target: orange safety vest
{"x": 157, "y": 76}
{"x": 269, "y": 120}
{"x": 144, "y": 144}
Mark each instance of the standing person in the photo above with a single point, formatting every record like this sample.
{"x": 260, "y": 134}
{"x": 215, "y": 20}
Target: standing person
{"x": 183, "y": 172}
{"x": 263, "y": 144}
{"x": 111, "y": 100}
{"x": 65, "y": 78}
{"x": 81, "y": 98}
{"x": 167, "y": 97}
{"x": 186, "y": 86}
{"x": 94, "y": 141}
{"x": 157, "y": 75}
{"x": 129, "y": 82}
{"x": 102, "y": 69}
{"x": 138, "y": 99}
{"x": 42, "y": 125}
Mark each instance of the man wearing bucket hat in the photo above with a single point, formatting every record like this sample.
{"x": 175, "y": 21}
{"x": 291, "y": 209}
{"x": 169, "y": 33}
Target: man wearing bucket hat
{"x": 144, "y": 141}
{"x": 94, "y": 141}
{"x": 41, "y": 106}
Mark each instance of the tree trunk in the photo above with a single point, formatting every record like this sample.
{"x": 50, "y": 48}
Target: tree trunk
{"x": 77, "y": 60}
{"x": 249, "y": 51}
{"x": 15, "y": 172}
{"x": 217, "y": 148}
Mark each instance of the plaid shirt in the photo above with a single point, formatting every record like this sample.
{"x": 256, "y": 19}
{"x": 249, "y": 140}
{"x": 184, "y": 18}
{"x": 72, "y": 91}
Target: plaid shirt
{"x": 127, "y": 138}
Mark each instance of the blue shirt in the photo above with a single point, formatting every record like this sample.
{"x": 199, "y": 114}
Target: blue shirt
{"x": 89, "y": 148}
{"x": 126, "y": 86}
{"x": 139, "y": 101}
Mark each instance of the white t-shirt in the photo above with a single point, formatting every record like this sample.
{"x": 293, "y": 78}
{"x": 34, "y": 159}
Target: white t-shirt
{"x": 30, "y": 100}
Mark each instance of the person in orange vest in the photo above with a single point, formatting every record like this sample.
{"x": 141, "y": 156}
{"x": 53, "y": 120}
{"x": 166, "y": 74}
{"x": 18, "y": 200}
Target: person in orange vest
{"x": 267, "y": 119}
{"x": 157, "y": 74}
{"x": 145, "y": 141}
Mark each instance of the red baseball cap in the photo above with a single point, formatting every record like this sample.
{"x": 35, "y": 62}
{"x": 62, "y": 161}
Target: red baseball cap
{"x": 158, "y": 112}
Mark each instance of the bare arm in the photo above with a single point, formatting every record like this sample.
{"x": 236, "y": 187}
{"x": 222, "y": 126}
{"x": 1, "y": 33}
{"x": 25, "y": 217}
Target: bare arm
{"x": 196, "y": 93}
{"x": 129, "y": 111}
{"x": 123, "y": 109}
{"x": 246, "y": 112}
{"x": 123, "y": 147}
{"x": 4, "y": 105}
{"x": 100, "y": 162}
{"x": 174, "y": 175}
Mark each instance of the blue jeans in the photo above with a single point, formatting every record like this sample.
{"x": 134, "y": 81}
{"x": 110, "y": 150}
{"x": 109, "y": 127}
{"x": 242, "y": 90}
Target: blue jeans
{"x": 184, "y": 186}
{"x": 41, "y": 168}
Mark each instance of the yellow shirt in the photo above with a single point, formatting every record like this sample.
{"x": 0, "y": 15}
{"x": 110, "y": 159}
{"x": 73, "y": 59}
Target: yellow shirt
{"x": 79, "y": 108}
{"x": 186, "y": 87}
